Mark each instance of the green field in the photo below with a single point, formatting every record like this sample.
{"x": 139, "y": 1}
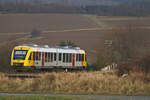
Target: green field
{"x": 46, "y": 98}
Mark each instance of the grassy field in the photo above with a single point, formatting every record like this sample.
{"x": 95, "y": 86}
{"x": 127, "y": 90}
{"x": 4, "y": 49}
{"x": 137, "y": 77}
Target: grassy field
{"x": 46, "y": 98}
{"x": 99, "y": 82}
{"x": 115, "y": 21}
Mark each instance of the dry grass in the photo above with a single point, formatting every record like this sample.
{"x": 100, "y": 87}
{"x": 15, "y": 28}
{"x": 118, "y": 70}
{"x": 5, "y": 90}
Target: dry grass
{"x": 78, "y": 83}
{"x": 114, "y": 21}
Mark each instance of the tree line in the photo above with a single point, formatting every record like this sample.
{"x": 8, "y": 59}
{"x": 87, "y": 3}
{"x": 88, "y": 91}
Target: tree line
{"x": 141, "y": 8}
{"x": 128, "y": 47}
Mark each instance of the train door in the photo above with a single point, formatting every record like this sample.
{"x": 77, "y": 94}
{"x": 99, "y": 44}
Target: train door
{"x": 31, "y": 62}
{"x": 73, "y": 60}
{"x": 37, "y": 59}
{"x": 55, "y": 59}
{"x": 60, "y": 59}
{"x": 43, "y": 59}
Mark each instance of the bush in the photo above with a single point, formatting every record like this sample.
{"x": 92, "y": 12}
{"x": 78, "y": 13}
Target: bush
{"x": 62, "y": 43}
{"x": 93, "y": 67}
{"x": 141, "y": 65}
{"x": 67, "y": 43}
{"x": 101, "y": 60}
{"x": 123, "y": 68}
{"x": 5, "y": 55}
{"x": 35, "y": 33}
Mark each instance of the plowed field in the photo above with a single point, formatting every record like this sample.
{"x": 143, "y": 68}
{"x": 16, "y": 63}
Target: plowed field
{"x": 87, "y": 31}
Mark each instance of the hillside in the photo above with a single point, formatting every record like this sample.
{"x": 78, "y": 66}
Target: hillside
{"x": 97, "y": 7}
{"x": 72, "y": 2}
{"x": 54, "y": 29}
{"x": 87, "y": 31}
{"x": 68, "y": 2}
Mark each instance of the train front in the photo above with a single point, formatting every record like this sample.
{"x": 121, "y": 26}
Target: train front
{"x": 20, "y": 57}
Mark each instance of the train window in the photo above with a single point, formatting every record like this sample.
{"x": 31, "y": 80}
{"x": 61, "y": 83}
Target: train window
{"x": 46, "y": 55}
{"x": 76, "y": 57}
{"x": 30, "y": 56}
{"x": 85, "y": 58}
{"x": 20, "y": 54}
{"x": 34, "y": 55}
{"x": 70, "y": 57}
{"x": 39, "y": 55}
{"x": 79, "y": 57}
{"x": 51, "y": 56}
{"x": 64, "y": 57}
{"x": 59, "y": 56}
{"x": 55, "y": 57}
{"x": 82, "y": 56}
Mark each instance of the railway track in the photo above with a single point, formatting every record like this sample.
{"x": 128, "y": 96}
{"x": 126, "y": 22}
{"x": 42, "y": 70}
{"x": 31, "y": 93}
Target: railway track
{"x": 35, "y": 73}
{"x": 23, "y": 75}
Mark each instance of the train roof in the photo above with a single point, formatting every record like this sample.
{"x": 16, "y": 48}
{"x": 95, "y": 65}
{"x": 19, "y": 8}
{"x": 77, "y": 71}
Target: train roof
{"x": 63, "y": 49}
{"x": 46, "y": 46}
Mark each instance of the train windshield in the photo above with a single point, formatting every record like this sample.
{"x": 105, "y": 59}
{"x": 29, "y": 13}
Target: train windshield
{"x": 20, "y": 54}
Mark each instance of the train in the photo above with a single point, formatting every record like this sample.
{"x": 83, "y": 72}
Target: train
{"x": 33, "y": 56}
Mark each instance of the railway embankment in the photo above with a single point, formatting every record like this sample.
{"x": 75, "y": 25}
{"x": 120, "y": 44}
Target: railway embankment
{"x": 94, "y": 82}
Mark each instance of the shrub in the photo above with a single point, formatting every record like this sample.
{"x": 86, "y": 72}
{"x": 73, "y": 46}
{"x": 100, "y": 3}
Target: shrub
{"x": 144, "y": 64}
{"x": 93, "y": 67}
{"x": 101, "y": 60}
{"x": 123, "y": 68}
{"x": 141, "y": 65}
{"x": 67, "y": 43}
{"x": 5, "y": 55}
{"x": 62, "y": 43}
{"x": 35, "y": 33}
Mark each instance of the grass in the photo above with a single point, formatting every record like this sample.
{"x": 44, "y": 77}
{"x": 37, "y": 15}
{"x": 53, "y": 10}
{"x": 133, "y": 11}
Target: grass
{"x": 78, "y": 83}
{"x": 97, "y": 20}
{"x": 46, "y": 98}
{"x": 107, "y": 22}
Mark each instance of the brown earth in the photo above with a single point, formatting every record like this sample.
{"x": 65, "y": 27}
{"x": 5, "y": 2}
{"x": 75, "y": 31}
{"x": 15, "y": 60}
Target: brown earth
{"x": 87, "y": 32}
{"x": 54, "y": 27}
{"x": 27, "y": 22}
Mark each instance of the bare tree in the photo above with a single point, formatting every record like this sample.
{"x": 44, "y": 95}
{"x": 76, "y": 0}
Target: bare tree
{"x": 128, "y": 43}
{"x": 67, "y": 43}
